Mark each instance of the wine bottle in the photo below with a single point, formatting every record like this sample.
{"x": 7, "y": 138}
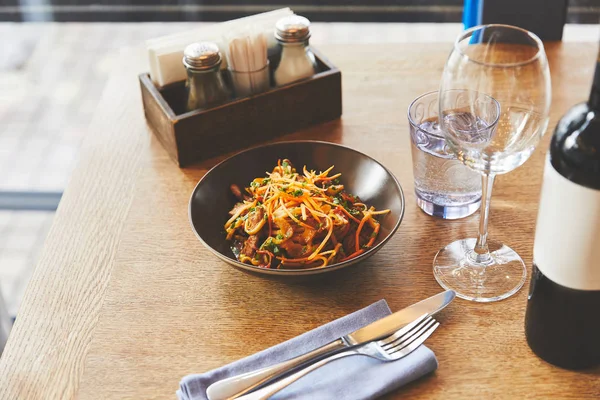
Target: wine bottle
{"x": 562, "y": 322}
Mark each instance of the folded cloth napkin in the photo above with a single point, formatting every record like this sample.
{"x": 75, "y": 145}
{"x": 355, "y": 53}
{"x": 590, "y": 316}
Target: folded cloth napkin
{"x": 355, "y": 377}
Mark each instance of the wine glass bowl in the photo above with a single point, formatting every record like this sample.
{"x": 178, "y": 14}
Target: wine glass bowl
{"x": 469, "y": 121}
{"x": 494, "y": 102}
{"x": 509, "y": 64}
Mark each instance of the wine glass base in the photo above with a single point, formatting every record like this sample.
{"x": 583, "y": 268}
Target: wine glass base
{"x": 498, "y": 277}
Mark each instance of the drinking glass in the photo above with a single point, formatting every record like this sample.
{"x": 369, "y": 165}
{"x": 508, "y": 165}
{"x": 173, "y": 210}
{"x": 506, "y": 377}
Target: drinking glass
{"x": 510, "y": 65}
{"x": 444, "y": 187}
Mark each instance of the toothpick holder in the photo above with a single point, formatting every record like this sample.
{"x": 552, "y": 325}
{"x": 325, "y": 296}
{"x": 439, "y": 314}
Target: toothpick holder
{"x": 247, "y": 83}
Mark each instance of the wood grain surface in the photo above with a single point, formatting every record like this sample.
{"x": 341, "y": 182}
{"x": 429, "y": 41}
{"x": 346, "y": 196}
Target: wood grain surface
{"x": 125, "y": 301}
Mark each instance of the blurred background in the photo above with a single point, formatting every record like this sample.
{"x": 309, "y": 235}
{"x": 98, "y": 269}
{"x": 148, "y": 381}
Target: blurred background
{"x": 578, "y": 11}
{"x": 56, "y": 55}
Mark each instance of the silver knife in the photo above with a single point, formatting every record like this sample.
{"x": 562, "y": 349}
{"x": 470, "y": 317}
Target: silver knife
{"x": 239, "y": 385}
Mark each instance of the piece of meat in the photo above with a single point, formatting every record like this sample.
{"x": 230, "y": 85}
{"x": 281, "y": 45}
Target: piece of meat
{"x": 349, "y": 198}
{"x": 236, "y": 208}
{"x": 294, "y": 250}
{"x": 313, "y": 222}
{"x": 349, "y": 242}
{"x": 235, "y": 189}
{"x": 255, "y": 218}
{"x": 285, "y": 229}
{"x": 303, "y": 235}
{"x": 341, "y": 225}
{"x": 334, "y": 190}
{"x": 250, "y": 246}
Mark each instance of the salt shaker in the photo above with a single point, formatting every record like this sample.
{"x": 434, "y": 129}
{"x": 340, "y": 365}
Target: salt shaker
{"x": 205, "y": 84}
{"x": 297, "y": 61}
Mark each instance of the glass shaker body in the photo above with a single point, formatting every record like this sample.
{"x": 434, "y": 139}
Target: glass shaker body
{"x": 205, "y": 85}
{"x": 297, "y": 60}
{"x": 205, "y": 89}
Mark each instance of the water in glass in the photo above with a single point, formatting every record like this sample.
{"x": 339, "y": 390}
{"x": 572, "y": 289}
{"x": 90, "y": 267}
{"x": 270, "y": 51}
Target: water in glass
{"x": 443, "y": 185}
{"x": 439, "y": 177}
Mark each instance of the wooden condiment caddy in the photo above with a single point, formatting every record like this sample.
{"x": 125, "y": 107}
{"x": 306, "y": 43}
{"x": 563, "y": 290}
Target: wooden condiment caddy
{"x": 194, "y": 136}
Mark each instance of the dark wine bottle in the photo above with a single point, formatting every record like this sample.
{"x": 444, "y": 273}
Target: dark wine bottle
{"x": 562, "y": 323}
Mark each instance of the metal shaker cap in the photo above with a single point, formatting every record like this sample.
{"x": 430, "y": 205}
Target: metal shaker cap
{"x": 201, "y": 56}
{"x": 292, "y": 29}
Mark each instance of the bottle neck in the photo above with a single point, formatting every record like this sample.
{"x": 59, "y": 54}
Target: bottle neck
{"x": 594, "y": 100}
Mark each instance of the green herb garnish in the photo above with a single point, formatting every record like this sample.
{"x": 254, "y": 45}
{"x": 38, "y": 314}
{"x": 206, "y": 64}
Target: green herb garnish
{"x": 271, "y": 246}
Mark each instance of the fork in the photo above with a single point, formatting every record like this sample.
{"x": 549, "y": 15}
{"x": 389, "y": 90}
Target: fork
{"x": 394, "y": 347}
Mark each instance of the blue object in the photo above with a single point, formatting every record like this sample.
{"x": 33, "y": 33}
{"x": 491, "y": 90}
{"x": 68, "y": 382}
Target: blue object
{"x": 348, "y": 378}
{"x": 472, "y": 13}
{"x": 38, "y": 201}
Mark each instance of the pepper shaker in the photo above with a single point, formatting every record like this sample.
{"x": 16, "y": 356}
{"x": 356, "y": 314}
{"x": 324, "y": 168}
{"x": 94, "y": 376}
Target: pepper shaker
{"x": 205, "y": 85}
{"x": 297, "y": 60}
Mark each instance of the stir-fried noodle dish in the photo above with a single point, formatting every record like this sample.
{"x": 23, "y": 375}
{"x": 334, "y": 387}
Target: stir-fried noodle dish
{"x": 289, "y": 219}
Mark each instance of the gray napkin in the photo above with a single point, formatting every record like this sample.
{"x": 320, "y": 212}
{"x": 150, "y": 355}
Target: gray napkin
{"x": 356, "y": 377}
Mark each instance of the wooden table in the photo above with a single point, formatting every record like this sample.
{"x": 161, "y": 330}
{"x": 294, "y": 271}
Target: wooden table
{"x": 125, "y": 301}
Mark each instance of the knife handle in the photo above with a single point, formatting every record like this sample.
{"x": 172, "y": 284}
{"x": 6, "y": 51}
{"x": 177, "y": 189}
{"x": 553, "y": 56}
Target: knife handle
{"x": 269, "y": 390}
{"x": 239, "y": 385}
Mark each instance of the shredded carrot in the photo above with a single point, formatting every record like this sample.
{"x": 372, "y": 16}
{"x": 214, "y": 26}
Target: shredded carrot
{"x": 373, "y": 235}
{"x": 296, "y": 220}
{"x": 330, "y": 178}
{"x": 355, "y": 254}
{"x": 314, "y": 212}
{"x": 314, "y": 204}
{"x": 324, "y": 173}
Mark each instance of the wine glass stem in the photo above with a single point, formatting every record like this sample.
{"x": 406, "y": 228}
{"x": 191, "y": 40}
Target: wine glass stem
{"x": 482, "y": 253}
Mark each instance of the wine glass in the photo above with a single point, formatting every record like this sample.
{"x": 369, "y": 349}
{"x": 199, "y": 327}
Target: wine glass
{"x": 508, "y": 64}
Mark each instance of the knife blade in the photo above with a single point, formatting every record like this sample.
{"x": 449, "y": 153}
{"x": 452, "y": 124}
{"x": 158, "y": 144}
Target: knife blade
{"x": 390, "y": 324}
{"x": 233, "y": 387}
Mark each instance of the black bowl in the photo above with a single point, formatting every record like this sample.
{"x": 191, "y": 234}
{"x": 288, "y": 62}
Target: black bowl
{"x": 361, "y": 176}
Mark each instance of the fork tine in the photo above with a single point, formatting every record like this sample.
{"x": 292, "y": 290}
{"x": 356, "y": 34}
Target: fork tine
{"x": 398, "y": 334}
{"x": 405, "y": 333}
{"x": 407, "y": 339}
{"x": 402, "y": 351}
{"x": 414, "y": 345}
